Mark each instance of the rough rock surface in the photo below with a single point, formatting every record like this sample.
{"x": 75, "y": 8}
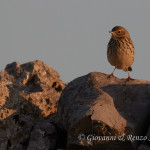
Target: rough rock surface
{"x": 29, "y": 94}
{"x": 146, "y": 144}
{"x": 100, "y": 107}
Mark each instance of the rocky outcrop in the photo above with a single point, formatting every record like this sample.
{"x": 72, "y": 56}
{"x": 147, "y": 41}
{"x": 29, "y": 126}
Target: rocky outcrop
{"x": 29, "y": 94}
{"x": 97, "y": 112}
{"x": 105, "y": 113}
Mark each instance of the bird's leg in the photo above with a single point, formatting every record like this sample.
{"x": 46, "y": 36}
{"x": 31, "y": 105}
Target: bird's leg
{"x": 112, "y": 74}
{"x": 129, "y": 78}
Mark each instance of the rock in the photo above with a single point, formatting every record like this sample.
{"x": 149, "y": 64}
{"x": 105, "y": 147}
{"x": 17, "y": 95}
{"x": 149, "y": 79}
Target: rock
{"x": 46, "y": 136}
{"x": 97, "y": 112}
{"x": 32, "y": 82}
{"x": 144, "y": 147}
{"x": 29, "y": 95}
{"x": 43, "y": 136}
{"x": 146, "y": 144}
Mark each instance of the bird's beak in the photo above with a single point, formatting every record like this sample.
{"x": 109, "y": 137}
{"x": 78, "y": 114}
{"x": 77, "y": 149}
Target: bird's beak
{"x": 111, "y": 32}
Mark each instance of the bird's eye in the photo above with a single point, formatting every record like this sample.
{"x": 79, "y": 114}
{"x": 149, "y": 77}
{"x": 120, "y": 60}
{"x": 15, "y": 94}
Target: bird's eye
{"x": 118, "y": 32}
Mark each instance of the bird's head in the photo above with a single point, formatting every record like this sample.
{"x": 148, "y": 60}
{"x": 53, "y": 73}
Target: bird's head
{"x": 119, "y": 32}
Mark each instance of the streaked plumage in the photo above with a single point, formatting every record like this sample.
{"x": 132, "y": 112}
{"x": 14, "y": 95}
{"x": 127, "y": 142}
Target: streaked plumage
{"x": 120, "y": 50}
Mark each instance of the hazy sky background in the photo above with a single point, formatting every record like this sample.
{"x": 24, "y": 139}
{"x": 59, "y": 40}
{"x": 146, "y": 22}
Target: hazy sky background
{"x": 72, "y": 35}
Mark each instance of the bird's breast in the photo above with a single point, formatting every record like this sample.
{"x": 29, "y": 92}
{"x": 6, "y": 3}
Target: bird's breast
{"x": 120, "y": 53}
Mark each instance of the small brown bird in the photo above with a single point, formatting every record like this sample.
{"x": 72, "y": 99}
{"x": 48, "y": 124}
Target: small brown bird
{"x": 120, "y": 50}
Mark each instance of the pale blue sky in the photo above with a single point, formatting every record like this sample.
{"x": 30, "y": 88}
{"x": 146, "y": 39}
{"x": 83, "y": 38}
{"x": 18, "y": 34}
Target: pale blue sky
{"x": 72, "y": 35}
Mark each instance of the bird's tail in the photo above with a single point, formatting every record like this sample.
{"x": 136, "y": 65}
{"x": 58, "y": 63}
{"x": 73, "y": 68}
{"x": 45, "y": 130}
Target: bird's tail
{"x": 130, "y": 68}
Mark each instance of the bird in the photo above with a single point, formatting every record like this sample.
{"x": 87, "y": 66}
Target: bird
{"x": 120, "y": 50}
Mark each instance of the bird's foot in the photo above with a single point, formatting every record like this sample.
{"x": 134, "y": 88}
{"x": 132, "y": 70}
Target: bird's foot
{"x": 129, "y": 78}
{"x": 111, "y": 75}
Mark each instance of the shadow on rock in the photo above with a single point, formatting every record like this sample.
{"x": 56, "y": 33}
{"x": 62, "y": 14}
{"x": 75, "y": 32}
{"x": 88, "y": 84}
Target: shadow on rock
{"x": 97, "y": 112}
{"x": 29, "y": 95}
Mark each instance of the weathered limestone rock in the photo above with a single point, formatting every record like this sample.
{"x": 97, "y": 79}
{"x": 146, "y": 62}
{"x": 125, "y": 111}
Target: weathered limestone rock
{"x": 29, "y": 94}
{"x": 32, "y": 82}
{"x": 97, "y": 106}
